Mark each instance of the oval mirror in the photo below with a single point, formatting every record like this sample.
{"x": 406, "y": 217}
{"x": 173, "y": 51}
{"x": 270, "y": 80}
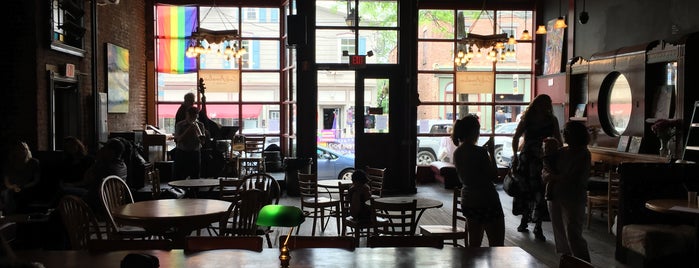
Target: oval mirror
{"x": 616, "y": 103}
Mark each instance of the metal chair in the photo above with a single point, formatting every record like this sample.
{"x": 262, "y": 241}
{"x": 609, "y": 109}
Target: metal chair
{"x": 400, "y": 218}
{"x": 314, "y": 206}
{"x": 458, "y": 228}
{"x": 79, "y": 221}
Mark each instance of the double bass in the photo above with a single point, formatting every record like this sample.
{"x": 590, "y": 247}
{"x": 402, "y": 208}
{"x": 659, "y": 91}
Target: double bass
{"x": 212, "y": 158}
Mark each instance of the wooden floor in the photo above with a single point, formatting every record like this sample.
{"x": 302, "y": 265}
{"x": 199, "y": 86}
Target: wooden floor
{"x": 601, "y": 243}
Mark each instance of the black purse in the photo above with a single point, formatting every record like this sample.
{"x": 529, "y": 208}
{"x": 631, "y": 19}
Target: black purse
{"x": 511, "y": 184}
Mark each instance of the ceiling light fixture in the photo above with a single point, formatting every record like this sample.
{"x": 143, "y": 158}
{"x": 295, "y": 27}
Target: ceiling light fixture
{"x": 225, "y": 43}
{"x": 473, "y": 45}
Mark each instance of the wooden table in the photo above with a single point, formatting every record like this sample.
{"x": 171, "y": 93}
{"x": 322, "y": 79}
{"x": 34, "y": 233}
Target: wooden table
{"x": 173, "y": 218}
{"x": 332, "y": 183}
{"x": 677, "y": 207}
{"x": 308, "y": 257}
{"x": 422, "y": 203}
{"x": 193, "y": 185}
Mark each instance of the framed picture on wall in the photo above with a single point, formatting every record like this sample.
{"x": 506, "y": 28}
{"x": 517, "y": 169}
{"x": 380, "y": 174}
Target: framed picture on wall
{"x": 117, "y": 79}
{"x": 553, "y": 62}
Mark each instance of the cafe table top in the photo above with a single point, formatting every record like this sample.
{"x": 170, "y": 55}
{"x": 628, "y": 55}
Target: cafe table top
{"x": 194, "y": 183}
{"x": 307, "y": 257}
{"x": 332, "y": 183}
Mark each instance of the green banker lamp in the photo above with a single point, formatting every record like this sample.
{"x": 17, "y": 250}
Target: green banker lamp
{"x": 281, "y": 216}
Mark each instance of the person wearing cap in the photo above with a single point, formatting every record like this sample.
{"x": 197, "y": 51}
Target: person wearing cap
{"x": 189, "y": 136}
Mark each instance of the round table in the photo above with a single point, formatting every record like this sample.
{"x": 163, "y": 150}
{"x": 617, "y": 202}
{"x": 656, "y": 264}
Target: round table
{"x": 193, "y": 185}
{"x": 677, "y": 207}
{"x": 332, "y": 183}
{"x": 173, "y": 218}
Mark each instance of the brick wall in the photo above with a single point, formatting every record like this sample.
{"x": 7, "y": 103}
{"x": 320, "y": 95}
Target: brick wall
{"x": 26, "y": 91}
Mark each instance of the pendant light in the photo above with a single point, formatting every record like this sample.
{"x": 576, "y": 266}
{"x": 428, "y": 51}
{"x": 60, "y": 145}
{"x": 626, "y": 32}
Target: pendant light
{"x": 560, "y": 22}
{"x": 525, "y": 34}
{"x": 584, "y": 17}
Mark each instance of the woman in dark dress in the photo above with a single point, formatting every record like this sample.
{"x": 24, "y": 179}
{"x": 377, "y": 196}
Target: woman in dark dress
{"x": 537, "y": 123}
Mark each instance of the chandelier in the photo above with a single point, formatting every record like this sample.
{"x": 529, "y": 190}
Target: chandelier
{"x": 223, "y": 43}
{"x": 492, "y": 47}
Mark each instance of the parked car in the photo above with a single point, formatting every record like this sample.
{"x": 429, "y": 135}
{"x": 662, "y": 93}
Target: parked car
{"x": 334, "y": 165}
{"x": 429, "y": 147}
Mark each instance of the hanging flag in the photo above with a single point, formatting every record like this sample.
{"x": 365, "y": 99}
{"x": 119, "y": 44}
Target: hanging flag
{"x": 174, "y": 29}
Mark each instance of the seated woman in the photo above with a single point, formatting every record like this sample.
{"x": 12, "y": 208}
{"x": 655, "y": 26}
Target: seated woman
{"x": 21, "y": 176}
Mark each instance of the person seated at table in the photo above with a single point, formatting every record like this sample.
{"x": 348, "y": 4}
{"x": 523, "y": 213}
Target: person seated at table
{"x": 359, "y": 193}
{"x": 21, "y": 176}
{"x": 107, "y": 162}
{"x": 75, "y": 160}
{"x": 480, "y": 202}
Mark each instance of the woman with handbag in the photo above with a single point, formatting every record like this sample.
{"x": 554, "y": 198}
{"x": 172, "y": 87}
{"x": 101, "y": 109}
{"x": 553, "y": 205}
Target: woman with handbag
{"x": 537, "y": 123}
{"x": 480, "y": 202}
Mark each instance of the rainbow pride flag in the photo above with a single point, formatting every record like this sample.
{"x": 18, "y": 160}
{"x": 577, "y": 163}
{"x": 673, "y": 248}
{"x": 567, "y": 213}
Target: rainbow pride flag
{"x": 174, "y": 28}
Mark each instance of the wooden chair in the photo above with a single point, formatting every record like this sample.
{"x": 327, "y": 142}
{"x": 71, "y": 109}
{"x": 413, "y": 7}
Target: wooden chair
{"x": 314, "y": 206}
{"x": 400, "y": 218}
{"x": 608, "y": 201}
{"x": 114, "y": 192}
{"x": 269, "y": 185}
{"x": 228, "y": 189}
{"x": 120, "y": 244}
{"x": 201, "y": 243}
{"x": 254, "y": 146}
{"x": 568, "y": 261}
{"x": 376, "y": 241}
{"x": 359, "y": 228}
{"x": 241, "y": 217}
{"x": 79, "y": 221}
{"x": 375, "y": 176}
{"x": 296, "y": 242}
{"x": 458, "y": 228}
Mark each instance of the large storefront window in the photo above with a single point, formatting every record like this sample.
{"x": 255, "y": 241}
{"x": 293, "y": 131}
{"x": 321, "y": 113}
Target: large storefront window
{"x": 240, "y": 91}
{"x": 497, "y": 92}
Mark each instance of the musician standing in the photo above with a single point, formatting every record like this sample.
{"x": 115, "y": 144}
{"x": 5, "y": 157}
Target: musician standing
{"x": 188, "y": 102}
{"x": 189, "y": 136}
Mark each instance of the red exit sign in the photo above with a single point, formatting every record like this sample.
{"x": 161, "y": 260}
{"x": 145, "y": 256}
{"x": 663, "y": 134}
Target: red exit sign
{"x": 357, "y": 60}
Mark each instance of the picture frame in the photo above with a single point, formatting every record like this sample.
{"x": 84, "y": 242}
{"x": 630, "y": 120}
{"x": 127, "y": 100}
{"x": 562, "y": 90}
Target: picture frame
{"x": 117, "y": 79}
{"x": 623, "y": 144}
{"x": 635, "y": 144}
{"x": 553, "y": 62}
